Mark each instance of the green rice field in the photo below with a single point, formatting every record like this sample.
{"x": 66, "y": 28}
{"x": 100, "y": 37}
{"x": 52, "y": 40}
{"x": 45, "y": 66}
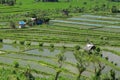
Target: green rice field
{"x": 57, "y": 50}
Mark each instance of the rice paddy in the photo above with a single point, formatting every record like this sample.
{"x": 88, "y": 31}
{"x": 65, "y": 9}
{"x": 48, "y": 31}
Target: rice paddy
{"x": 38, "y": 49}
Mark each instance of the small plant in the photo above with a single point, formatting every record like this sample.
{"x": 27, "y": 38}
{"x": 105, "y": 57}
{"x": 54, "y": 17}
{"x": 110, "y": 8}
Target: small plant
{"x": 112, "y": 62}
{"x": 52, "y": 45}
{"x": 14, "y": 42}
{"x": 104, "y": 38}
{"x": 28, "y": 74}
{"x": 27, "y": 43}
{"x": 1, "y": 40}
{"x": 16, "y": 64}
{"x": 64, "y": 47}
{"x": 22, "y": 42}
{"x": 14, "y": 71}
{"x": 77, "y": 47}
{"x": 106, "y": 58}
{"x": 12, "y": 25}
{"x": 41, "y": 44}
{"x": 115, "y": 64}
{"x": 112, "y": 75}
{"x": 98, "y": 49}
{"x": 101, "y": 55}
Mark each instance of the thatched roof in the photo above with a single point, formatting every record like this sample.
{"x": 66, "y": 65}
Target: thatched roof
{"x": 89, "y": 47}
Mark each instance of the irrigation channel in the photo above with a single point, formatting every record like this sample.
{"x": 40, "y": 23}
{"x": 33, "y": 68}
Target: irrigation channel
{"x": 44, "y": 60}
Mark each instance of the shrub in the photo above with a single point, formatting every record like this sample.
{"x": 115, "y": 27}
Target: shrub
{"x": 77, "y": 47}
{"x": 106, "y": 58}
{"x": 16, "y": 64}
{"x": 101, "y": 55}
{"x": 52, "y": 45}
{"x": 98, "y": 49}
{"x": 41, "y": 44}
{"x": 12, "y": 25}
{"x": 1, "y": 40}
{"x": 64, "y": 47}
{"x": 22, "y": 42}
{"x": 84, "y": 3}
{"x": 112, "y": 62}
{"x": 27, "y": 43}
{"x": 115, "y": 64}
{"x": 14, "y": 42}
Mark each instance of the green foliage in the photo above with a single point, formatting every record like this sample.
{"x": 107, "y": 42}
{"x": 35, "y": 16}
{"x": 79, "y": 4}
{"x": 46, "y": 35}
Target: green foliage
{"x": 14, "y": 42}
{"x": 8, "y": 2}
{"x": 12, "y": 25}
{"x": 22, "y": 42}
{"x": 52, "y": 45}
{"x": 61, "y": 59}
{"x": 16, "y": 64}
{"x": 41, "y": 44}
{"x": 1, "y": 46}
{"x": 27, "y": 43}
{"x": 77, "y": 47}
{"x": 1, "y": 40}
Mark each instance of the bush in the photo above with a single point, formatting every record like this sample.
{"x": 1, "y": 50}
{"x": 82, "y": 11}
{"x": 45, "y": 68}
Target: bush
{"x": 106, "y": 58}
{"x": 1, "y": 40}
{"x": 14, "y": 42}
{"x": 16, "y": 64}
{"x": 22, "y": 42}
{"x": 27, "y": 43}
{"x": 77, "y": 47}
{"x": 52, "y": 45}
{"x": 12, "y": 25}
{"x": 41, "y": 44}
{"x": 64, "y": 47}
{"x": 98, "y": 49}
{"x": 115, "y": 64}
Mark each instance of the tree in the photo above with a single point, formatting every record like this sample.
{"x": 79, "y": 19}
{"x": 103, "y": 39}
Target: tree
{"x": 8, "y": 2}
{"x": 112, "y": 75}
{"x": 114, "y": 9}
{"x": 61, "y": 59}
{"x": 81, "y": 62}
{"x": 28, "y": 74}
{"x": 98, "y": 65}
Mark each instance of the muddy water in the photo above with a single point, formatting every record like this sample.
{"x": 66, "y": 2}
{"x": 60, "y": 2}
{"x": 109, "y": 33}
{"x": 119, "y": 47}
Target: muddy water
{"x": 112, "y": 57}
{"x": 7, "y": 47}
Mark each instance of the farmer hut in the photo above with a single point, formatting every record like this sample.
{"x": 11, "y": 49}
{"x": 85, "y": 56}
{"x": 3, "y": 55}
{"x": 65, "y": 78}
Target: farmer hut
{"x": 39, "y": 21}
{"x": 22, "y": 24}
{"x": 89, "y": 47}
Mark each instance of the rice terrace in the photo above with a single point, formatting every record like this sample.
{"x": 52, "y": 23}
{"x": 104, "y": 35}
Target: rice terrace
{"x": 59, "y": 39}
